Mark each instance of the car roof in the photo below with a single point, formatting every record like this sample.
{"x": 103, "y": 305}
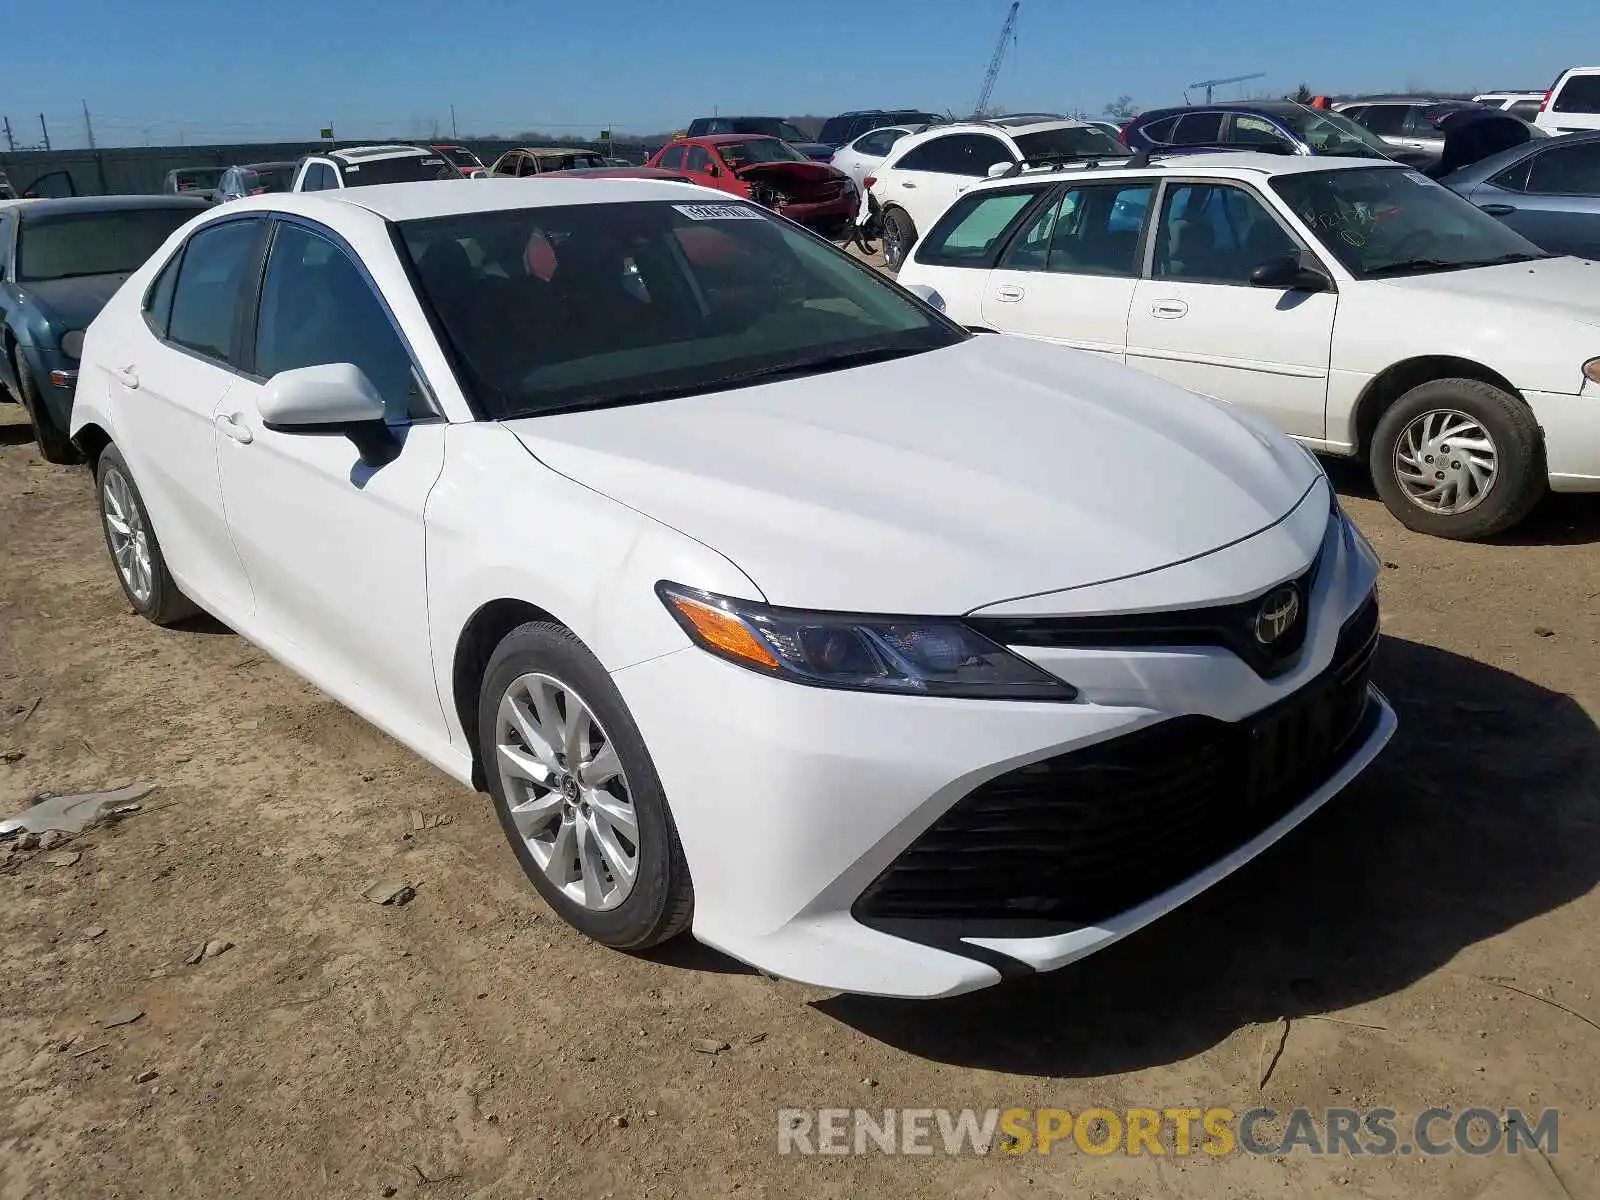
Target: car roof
{"x": 718, "y": 139}
{"x": 1010, "y": 126}
{"x": 372, "y": 153}
{"x": 262, "y": 166}
{"x": 449, "y": 197}
{"x": 56, "y": 205}
{"x": 1247, "y": 106}
{"x": 550, "y": 151}
{"x": 1222, "y": 163}
{"x": 617, "y": 173}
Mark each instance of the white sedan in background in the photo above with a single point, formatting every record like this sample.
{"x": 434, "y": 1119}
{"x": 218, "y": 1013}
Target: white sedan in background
{"x": 1357, "y": 305}
{"x": 761, "y": 598}
{"x": 858, "y": 158}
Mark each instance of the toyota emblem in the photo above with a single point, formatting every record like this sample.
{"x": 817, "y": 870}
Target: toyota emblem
{"x": 1277, "y": 615}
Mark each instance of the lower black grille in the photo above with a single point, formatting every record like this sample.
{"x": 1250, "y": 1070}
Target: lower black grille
{"x": 1081, "y": 837}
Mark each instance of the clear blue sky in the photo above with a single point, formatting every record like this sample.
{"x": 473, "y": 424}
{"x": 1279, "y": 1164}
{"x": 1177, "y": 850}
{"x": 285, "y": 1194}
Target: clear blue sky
{"x": 225, "y": 70}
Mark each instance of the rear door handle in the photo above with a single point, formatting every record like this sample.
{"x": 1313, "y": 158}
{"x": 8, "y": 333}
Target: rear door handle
{"x": 234, "y": 428}
{"x": 1499, "y": 210}
{"x": 127, "y": 376}
{"x": 1168, "y": 309}
{"x": 906, "y": 183}
{"x": 1008, "y": 292}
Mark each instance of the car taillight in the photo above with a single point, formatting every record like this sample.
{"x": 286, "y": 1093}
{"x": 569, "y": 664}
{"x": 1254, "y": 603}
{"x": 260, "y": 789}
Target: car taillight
{"x": 1544, "y": 105}
{"x": 869, "y": 181}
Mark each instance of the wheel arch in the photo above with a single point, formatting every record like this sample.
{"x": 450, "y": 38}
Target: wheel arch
{"x": 485, "y": 630}
{"x": 92, "y": 439}
{"x": 1396, "y": 380}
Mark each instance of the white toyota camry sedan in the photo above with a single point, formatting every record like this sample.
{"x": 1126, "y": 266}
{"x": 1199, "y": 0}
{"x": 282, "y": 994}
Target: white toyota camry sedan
{"x": 761, "y": 598}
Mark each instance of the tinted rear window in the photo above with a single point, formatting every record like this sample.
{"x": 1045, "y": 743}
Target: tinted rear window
{"x": 73, "y": 245}
{"x": 409, "y": 169}
{"x": 198, "y": 179}
{"x": 1081, "y": 142}
{"x": 836, "y": 130}
{"x": 1580, "y": 94}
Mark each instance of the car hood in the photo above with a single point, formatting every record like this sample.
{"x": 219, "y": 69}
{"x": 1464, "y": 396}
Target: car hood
{"x": 791, "y": 172}
{"x": 73, "y": 303}
{"x": 941, "y": 482}
{"x": 1564, "y": 287}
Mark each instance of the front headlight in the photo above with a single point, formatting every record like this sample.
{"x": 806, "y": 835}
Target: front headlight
{"x": 72, "y": 343}
{"x": 915, "y": 656}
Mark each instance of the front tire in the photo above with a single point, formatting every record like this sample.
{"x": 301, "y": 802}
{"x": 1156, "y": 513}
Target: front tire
{"x": 54, "y": 445}
{"x": 131, "y": 540}
{"x": 899, "y": 236}
{"x": 1458, "y": 458}
{"x": 576, "y": 792}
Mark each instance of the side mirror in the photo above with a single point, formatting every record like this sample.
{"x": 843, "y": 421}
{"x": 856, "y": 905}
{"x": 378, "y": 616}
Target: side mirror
{"x": 713, "y": 170}
{"x": 1000, "y": 170}
{"x": 927, "y": 295}
{"x": 1286, "y": 274}
{"x": 332, "y": 398}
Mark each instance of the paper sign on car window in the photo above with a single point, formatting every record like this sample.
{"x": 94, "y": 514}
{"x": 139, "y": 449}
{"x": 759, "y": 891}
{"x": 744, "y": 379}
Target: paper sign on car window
{"x": 718, "y": 212}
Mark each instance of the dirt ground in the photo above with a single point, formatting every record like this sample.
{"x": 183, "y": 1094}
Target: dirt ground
{"x": 468, "y": 1044}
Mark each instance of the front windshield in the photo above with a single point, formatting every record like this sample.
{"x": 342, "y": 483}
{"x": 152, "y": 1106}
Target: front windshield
{"x": 1387, "y": 221}
{"x": 69, "y": 246}
{"x": 758, "y": 150}
{"x": 410, "y": 168}
{"x": 461, "y": 156}
{"x": 1335, "y": 134}
{"x": 1068, "y": 142}
{"x": 589, "y": 305}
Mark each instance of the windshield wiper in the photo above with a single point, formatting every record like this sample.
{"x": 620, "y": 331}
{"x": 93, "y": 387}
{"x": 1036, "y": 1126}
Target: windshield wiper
{"x": 73, "y": 275}
{"x": 793, "y": 369}
{"x": 1416, "y": 266}
{"x": 1501, "y": 260}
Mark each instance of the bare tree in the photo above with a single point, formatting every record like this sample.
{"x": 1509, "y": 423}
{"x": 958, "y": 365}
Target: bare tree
{"x": 1122, "y": 109}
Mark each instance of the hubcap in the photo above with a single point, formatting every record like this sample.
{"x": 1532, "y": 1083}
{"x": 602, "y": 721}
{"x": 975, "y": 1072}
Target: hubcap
{"x": 130, "y": 542}
{"x": 891, "y": 244}
{"x": 567, "y": 792}
{"x": 1446, "y": 462}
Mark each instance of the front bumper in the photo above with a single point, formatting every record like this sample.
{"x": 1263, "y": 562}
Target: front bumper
{"x": 793, "y": 802}
{"x": 1571, "y": 427}
{"x": 825, "y": 215}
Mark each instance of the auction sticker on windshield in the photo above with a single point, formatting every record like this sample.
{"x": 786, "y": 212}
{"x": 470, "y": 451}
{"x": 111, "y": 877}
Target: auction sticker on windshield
{"x": 718, "y": 212}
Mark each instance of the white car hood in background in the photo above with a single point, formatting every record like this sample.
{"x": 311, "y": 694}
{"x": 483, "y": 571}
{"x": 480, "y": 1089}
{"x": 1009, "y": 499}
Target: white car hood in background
{"x": 941, "y": 482}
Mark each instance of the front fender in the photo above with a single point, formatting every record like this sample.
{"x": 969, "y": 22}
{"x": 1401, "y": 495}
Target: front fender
{"x": 503, "y": 526}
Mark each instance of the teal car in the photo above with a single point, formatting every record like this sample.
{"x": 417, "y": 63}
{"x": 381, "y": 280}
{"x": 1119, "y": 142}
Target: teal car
{"x": 60, "y": 261}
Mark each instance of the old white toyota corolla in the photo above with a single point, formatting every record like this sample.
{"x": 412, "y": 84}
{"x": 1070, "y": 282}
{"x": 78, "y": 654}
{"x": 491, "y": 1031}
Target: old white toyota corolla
{"x": 760, "y": 597}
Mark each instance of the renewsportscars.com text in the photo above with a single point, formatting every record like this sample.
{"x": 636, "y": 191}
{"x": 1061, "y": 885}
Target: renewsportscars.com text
{"x": 1162, "y": 1131}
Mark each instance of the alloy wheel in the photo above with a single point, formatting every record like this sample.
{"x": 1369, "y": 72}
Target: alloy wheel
{"x": 566, "y": 791}
{"x": 1446, "y": 462}
{"x": 130, "y": 541}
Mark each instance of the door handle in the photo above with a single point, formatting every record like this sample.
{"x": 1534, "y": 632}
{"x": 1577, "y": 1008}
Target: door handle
{"x": 1499, "y": 210}
{"x": 127, "y": 376}
{"x": 1168, "y": 309}
{"x": 1008, "y": 292}
{"x": 235, "y": 429}
{"x": 906, "y": 183}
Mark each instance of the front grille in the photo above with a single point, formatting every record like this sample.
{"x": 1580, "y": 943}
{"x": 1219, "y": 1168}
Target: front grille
{"x": 1232, "y": 626}
{"x": 1081, "y": 837}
